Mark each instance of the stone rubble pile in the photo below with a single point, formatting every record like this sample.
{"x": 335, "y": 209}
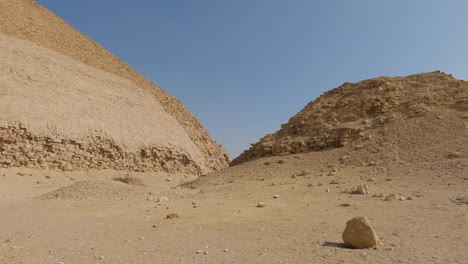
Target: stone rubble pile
{"x": 344, "y": 114}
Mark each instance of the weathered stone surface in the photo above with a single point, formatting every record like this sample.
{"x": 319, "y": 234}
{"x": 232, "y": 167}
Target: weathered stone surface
{"x": 340, "y": 116}
{"x": 359, "y": 233}
{"x": 20, "y": 148}
{"x": 58, "y": 82}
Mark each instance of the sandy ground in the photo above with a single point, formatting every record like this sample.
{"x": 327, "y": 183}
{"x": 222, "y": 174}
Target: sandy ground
{"x": 220, "y": 223}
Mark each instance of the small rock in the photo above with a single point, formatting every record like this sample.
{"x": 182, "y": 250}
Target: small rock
{"x": 334, "y": 182}
{"x": 401, "y": 199}
{"x": 409, "y": 198}
{"x": 21, "y": 174}
{"x": 276, "y": 196}
{"x": 359, "y": 233}
{"x": 362, "y": 189}
{"x": 172, "y": 216}
{"x": 371, "y": 179}
{"x": 391, "y": 197}
{"x": 260, "y": 205}
{"x": 162, "y": 199}
{"x": 454, "y": 155}
{"x": 225, "y": 250}
{"x": 327, "y": 190}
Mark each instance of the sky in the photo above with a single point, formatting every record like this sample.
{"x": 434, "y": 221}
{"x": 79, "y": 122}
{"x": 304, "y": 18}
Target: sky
{"x": 244, "y": 67}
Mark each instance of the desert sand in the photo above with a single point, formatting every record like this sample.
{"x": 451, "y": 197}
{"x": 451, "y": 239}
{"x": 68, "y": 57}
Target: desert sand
{"x": 219, "y": 221}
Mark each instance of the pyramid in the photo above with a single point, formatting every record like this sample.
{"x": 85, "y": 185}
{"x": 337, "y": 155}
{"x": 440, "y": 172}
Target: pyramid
{"x": 67, "y": 103}
{"x": 423, "y": 113}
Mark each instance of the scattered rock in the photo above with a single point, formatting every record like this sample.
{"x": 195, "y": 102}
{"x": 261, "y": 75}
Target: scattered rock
{"x": 162, "y": 199}
{"x": 391, "y": 197}
{"x": 362, "y": 189}
{"x": 454, "y": 155}
{"x": 359, "y": 233}
{"x": 334, "y": 182}
{"x": 260, "y": 205}
{"x": 461, "y": 199}
{"x": 172, "y": 216}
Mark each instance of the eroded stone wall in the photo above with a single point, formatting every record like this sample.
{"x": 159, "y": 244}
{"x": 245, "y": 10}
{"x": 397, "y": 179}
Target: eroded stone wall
{"x": 20, "y": 148}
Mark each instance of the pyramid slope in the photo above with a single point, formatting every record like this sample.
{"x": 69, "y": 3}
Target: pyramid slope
{"x": 27, "y": 20}
{"x": 349, "y": 113}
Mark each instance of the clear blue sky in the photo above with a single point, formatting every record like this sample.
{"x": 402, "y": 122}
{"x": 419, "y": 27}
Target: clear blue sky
{"x": 244, "y": 67}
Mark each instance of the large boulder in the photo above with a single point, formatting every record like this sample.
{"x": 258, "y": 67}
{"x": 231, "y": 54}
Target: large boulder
{"x": 359, "y": 233}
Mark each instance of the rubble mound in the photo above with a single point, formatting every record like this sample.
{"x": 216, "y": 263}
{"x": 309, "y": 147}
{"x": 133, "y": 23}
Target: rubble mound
{"x": 355, "y": 111}
{"x": 94, "y": 190}
{"x": 76, "y": 106}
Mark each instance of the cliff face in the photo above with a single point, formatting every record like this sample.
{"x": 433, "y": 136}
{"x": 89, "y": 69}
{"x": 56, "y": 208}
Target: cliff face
{"x": 347, "y": 113}
{"x": 77, "y": 106}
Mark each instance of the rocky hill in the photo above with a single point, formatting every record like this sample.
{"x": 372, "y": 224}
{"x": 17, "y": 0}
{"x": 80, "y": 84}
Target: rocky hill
{"x": 409, "y": 111}
{"x": 76, "y": 106}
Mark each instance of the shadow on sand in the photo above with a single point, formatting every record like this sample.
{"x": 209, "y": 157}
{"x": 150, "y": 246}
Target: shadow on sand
{"x": 335, "y": 244}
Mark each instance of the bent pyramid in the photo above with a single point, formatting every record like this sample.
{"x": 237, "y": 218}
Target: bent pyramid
{"x": 414, "y": 117}
{"x": 67, "y": 103}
